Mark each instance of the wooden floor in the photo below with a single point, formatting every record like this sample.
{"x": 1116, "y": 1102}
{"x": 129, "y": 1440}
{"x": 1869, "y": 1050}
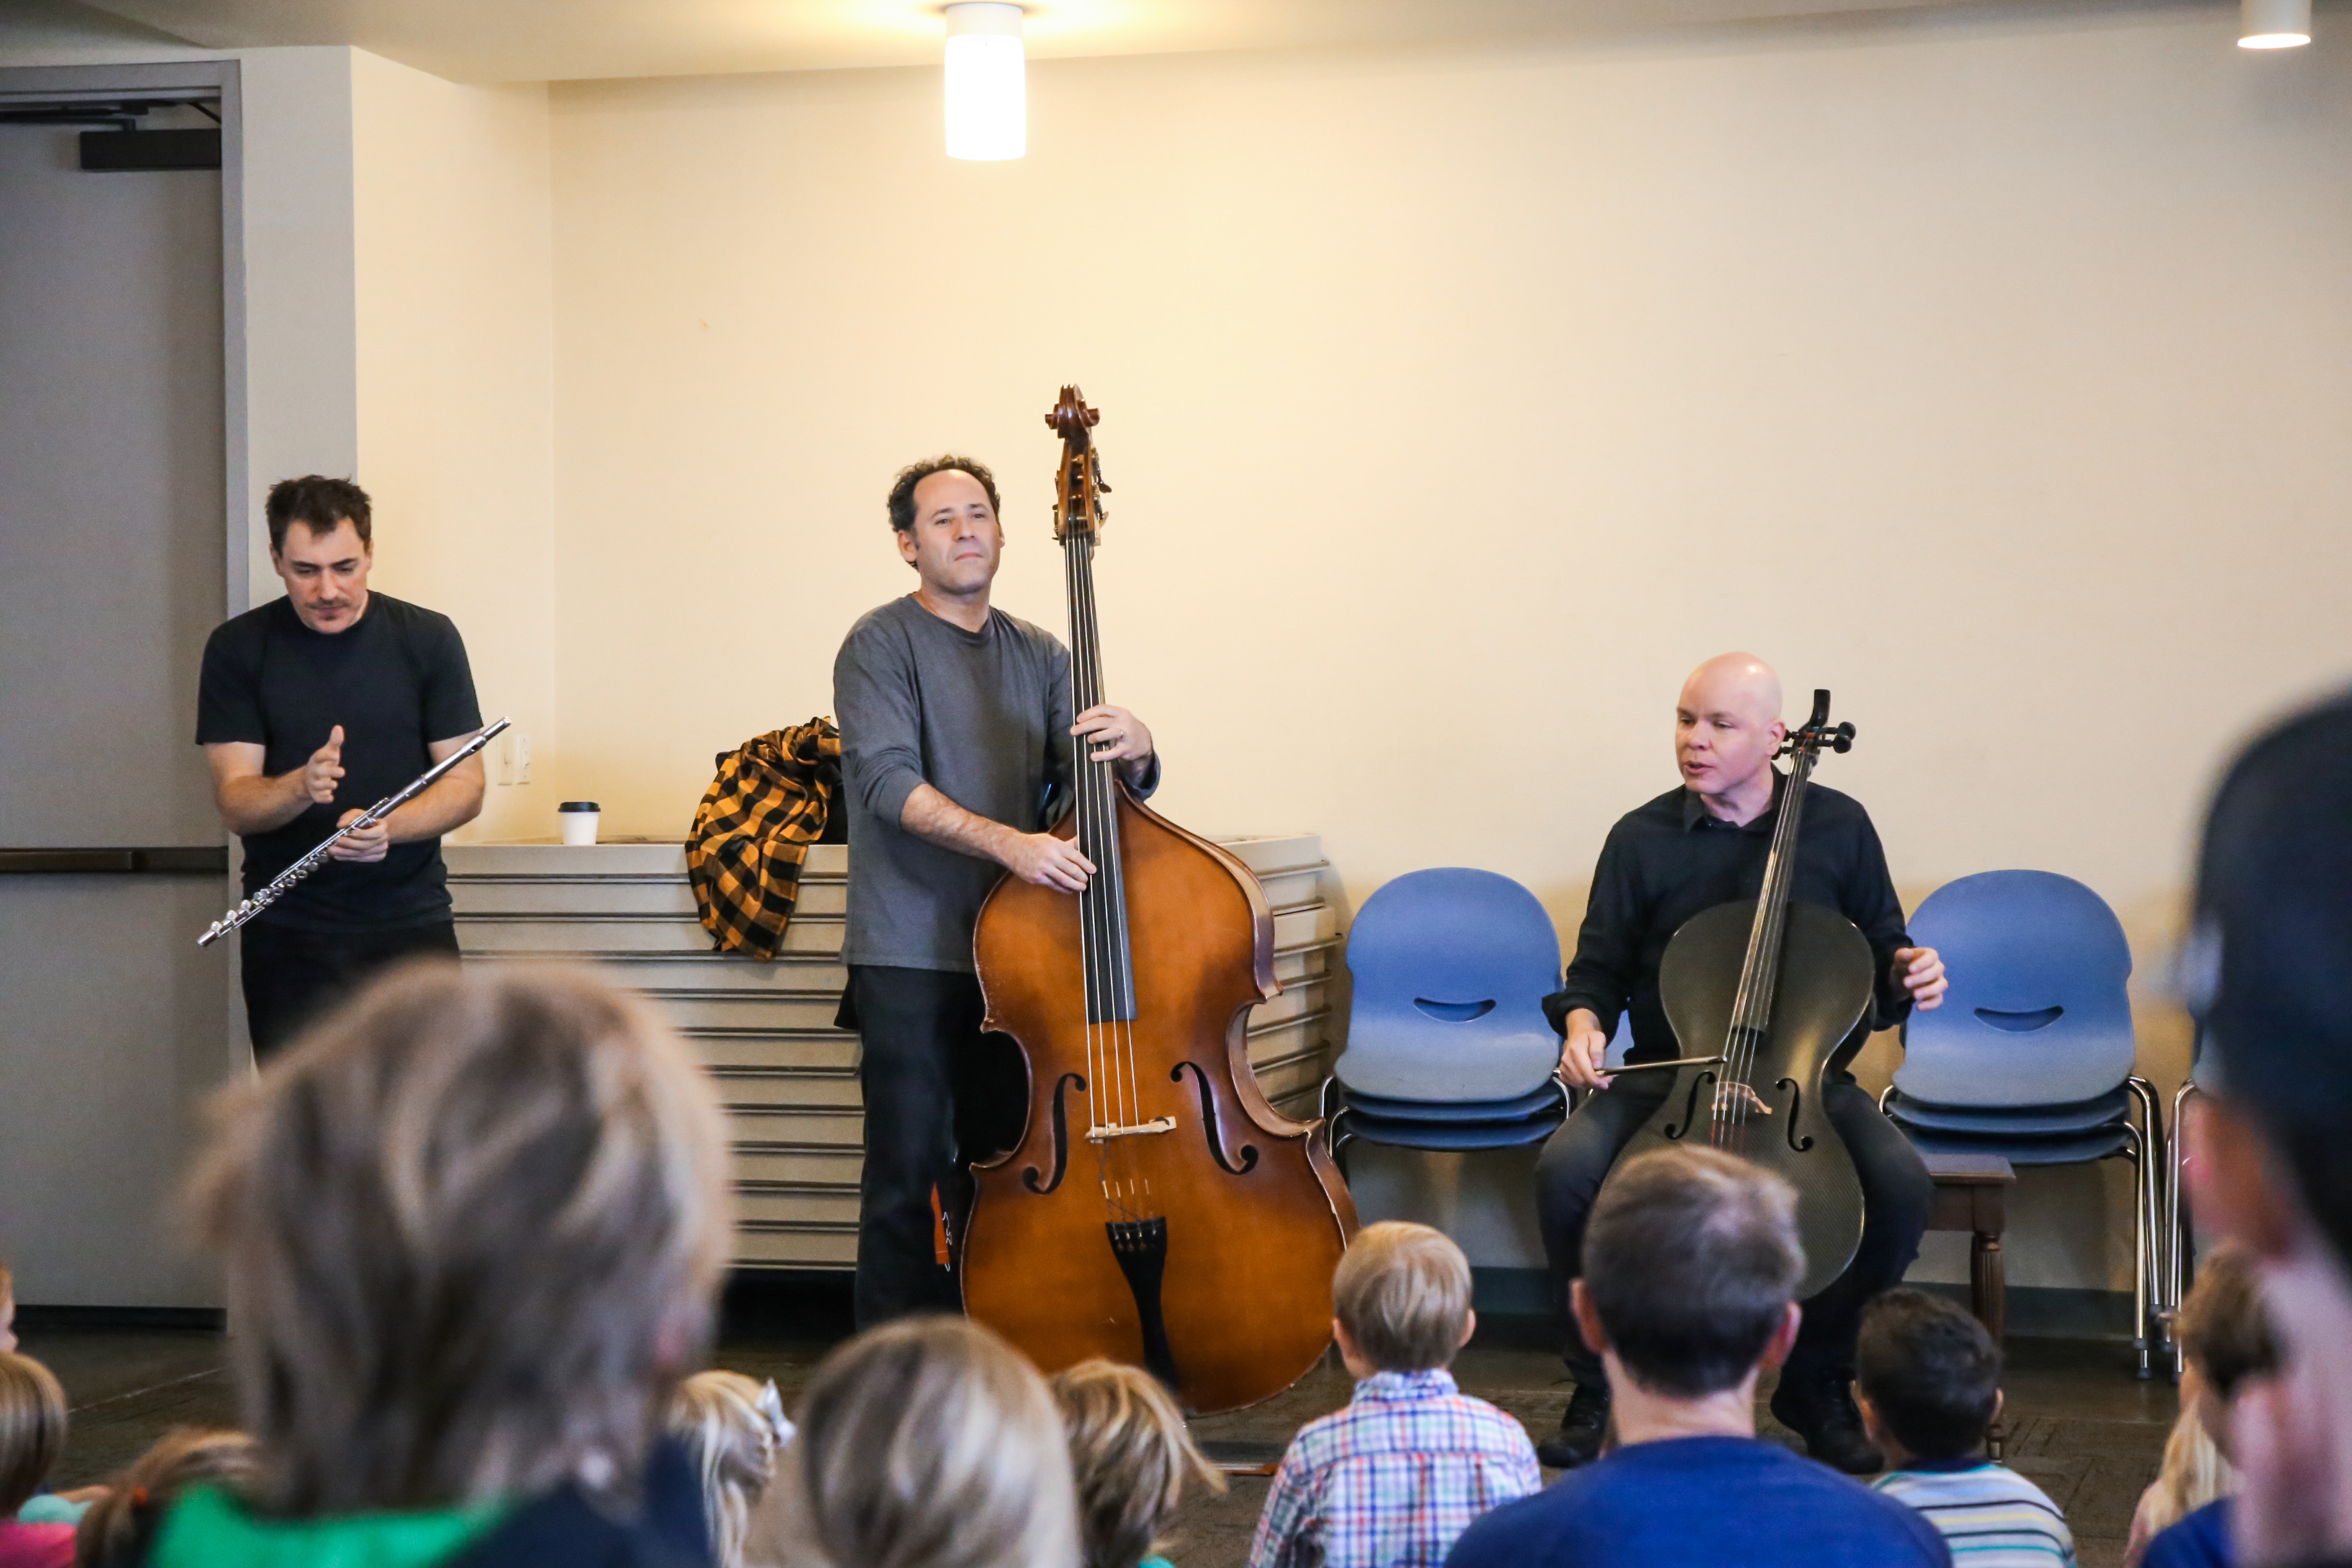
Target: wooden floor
{"x": 2082, "y": 1426}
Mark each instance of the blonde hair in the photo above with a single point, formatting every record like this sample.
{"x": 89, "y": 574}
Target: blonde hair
{"x": 930, "y": 1442}
{"x": 32, "y": 1428}
{"x": 1402, "y": 1292}
{"x": 472, "y": 1224}
{"x": 1129, "y": 1458}
{"x": 2193, "y": 1474}
{"x": 719, "y": 1417}
{"x": 120, "y": 1528}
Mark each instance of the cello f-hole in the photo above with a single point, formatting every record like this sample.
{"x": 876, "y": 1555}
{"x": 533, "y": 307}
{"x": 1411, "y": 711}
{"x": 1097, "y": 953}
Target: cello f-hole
{"x": 1209, "y": 1123}
{"x": 1690, "y": 1106}
{"x": 1796, "y": 1094}
{"x": 1061, "y": 1138}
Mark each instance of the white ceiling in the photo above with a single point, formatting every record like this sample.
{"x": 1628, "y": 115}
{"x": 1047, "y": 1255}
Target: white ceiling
{"x": 540, "y": 40}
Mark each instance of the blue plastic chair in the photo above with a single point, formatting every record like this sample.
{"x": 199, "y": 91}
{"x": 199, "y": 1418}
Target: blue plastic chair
{"x": 1447, "y": 1045}
{"x": 2031, "y": 1055}
{"x": 2038, "y": 1014}
{"x": 1450, "y": 967}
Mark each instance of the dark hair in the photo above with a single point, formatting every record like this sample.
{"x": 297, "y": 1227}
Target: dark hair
{"x": 2223, "y": 1329}
{"x": 1691, "y": 1258}
{"x": 2273, "y": 938}
{"x": 902, "y": 488}
{"x": 319, "y": 504}
{"x": 32, "y": 1428}
{"x": 1931, "y": 1371}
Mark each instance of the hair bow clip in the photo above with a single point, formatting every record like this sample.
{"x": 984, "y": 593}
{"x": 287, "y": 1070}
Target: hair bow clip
{"x": 772, "y": 1405}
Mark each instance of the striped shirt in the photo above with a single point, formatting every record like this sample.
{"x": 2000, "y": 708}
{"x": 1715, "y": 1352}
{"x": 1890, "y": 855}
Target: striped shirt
{"x": 1394, "y": 1478}
{"x": 1990, "y": 1516}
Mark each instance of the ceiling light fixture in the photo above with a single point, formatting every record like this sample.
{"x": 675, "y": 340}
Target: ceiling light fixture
{"x": 988, "y": 101}
{"x": 2269, "y": 23}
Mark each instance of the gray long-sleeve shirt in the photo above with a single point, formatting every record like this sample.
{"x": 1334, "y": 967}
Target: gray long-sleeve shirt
{"x": 983, "y": 717}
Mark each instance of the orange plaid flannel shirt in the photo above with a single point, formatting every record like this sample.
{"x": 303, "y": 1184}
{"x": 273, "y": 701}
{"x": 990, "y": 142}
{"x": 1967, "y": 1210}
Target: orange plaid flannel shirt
{"x": 752, "y": 830}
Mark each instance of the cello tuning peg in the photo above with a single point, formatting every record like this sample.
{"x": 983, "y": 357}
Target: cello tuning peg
{"x": 1842, "y": 739}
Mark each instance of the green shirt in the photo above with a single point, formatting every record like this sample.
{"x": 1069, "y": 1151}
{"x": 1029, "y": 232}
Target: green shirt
{"x": 208, "y": 1528}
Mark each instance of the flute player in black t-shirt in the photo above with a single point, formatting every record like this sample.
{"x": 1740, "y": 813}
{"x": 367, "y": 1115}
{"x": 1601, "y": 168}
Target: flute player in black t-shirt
{"x": 312, "y": 709}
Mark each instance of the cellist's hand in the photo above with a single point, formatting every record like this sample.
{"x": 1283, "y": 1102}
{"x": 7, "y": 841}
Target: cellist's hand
{"x": 1921, "y": 970}
{"x": 1580, "y": 1052}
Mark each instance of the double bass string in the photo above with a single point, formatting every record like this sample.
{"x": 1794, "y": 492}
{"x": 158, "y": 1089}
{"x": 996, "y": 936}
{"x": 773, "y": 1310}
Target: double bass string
{"x": 1095, "y": 1088}
{"x": 1102, "y": 923}
{"x": 1113, "y": 876}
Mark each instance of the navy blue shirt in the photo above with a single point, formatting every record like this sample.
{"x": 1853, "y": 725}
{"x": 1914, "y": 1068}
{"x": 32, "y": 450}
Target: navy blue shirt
{"x": 1671, "y": 858}
{"x": 396, "y": 679}
{"x": 2200, "y": 1539}
{"x": 1727, "y": 1502}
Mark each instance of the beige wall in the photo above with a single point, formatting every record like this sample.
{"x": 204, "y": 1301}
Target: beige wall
{"x": 1989, "y": 372}
{"x": 455, "y": 394}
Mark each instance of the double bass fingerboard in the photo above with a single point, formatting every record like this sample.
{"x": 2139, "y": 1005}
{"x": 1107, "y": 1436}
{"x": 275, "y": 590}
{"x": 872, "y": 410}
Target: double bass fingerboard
{"x": 1110, "y": 957}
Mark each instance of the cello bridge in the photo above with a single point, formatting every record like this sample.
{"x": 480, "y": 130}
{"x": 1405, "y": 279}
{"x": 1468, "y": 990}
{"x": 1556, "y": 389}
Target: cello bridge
{"x": 1140, "y": 1129}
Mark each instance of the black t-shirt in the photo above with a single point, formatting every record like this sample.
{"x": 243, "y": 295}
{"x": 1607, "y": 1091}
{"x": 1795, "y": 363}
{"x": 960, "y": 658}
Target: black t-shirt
{"x": 395, "y": 681}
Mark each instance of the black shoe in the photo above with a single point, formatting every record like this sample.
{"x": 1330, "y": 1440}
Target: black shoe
{"x": 1820, "y": 1410}
{"x": 1582, "y": 1429}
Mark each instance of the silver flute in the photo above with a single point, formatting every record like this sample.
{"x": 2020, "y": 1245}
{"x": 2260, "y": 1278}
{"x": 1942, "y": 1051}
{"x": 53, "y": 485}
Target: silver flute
{"x": 369, "y": 818}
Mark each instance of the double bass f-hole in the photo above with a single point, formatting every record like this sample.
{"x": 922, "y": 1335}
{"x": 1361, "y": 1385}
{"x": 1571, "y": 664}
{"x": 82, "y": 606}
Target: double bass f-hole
{"x": 1061, "y": 1136}
{"x": 1209, "y": 1122}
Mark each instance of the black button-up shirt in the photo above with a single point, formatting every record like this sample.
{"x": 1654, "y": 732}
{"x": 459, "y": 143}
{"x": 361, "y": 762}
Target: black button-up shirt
{"x": 1665, "y": 861}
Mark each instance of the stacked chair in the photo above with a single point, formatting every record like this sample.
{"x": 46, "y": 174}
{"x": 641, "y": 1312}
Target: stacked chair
{"x": 1447, "y": 1046}
{"x": 2031, "y": 1055}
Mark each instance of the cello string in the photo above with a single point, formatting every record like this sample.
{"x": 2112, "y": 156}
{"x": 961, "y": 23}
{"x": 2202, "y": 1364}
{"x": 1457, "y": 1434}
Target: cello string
{"x": 1777, "y": 891}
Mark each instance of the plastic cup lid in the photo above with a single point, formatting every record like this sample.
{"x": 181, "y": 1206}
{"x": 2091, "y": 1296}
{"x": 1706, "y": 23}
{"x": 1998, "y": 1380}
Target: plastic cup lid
{"x": 579, "y": 805}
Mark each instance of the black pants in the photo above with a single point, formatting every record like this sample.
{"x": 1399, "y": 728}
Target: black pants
{"x": 292, "y": 976}
{"x": 938, "y": 1094}
{"x": 1896, "y": 1193}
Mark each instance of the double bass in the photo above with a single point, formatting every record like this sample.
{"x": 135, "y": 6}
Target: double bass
{"x": 1768, "y": 990}
{"x": 1157, "y": 1210}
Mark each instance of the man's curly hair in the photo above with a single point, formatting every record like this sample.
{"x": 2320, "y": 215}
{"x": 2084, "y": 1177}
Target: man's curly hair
{"x": 902, "y": 488}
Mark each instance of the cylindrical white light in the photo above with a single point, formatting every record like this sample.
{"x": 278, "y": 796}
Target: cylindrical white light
{"x": 988, "y": 103}
{"x": 2273, "y": 24}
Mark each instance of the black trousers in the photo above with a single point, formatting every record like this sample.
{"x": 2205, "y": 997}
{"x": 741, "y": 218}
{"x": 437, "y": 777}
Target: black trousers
{"x": 1896, "y": 1193}
{"x": 292, "y": 976}
{"x": 938, "y": 1094}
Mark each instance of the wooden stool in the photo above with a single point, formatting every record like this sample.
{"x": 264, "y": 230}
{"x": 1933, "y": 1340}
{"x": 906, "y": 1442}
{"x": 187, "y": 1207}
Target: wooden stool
{"x": 1972, "y": 1195}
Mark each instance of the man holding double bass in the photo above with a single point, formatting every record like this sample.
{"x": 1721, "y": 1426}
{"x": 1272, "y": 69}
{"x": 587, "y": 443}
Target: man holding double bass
{"x": 956, "y": 735}
{"x": 1702, "y": 844}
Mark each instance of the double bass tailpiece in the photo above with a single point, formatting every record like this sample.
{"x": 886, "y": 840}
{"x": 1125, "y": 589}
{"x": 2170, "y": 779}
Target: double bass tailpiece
{"x": 264, "y": 897}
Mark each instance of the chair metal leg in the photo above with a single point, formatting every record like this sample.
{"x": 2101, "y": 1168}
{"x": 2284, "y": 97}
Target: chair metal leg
{"x": 1883, "y": 1095}
{"x": 2135, "y": 1150}
{"x": 2176, "y": 1227}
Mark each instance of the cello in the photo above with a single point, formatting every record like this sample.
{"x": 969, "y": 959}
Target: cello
{"x": 1772, "y": 988}
{"x": 1157, "y": 1210}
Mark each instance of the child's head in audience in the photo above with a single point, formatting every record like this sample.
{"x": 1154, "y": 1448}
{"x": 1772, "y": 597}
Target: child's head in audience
{"x": 930, "y": 1442}
{"x": 1927, "y": 1377}
{"x": 120, "y": 1528}
{"x": 2225, "y": 1339}
{"x": 1400, "y": 1299}
{"x": 472, "y": 1224}
{"x": 736, "y": 1431}
{"x": 32, "y": 1428}
{"x": 1691, "y": 1265}
{"x": 1130, "y": 1457}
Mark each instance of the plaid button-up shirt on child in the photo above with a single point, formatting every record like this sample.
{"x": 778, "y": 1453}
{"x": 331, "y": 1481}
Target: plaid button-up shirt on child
{"x": 1391, "y": 1480}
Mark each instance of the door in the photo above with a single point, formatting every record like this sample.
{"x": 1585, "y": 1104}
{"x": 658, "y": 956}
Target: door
{"x": 112, "y": 570}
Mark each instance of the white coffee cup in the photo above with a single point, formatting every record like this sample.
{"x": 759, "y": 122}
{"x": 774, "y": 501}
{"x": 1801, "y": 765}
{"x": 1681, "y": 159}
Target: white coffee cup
{"x": 579, "y": 819}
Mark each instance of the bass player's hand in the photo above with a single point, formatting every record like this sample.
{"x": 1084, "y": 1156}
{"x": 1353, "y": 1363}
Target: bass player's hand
{"x": 1048, "y": 861}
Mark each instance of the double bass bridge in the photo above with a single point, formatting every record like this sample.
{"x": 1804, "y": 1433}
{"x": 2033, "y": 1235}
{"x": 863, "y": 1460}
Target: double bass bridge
{"x": 1136, "y": 1130}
